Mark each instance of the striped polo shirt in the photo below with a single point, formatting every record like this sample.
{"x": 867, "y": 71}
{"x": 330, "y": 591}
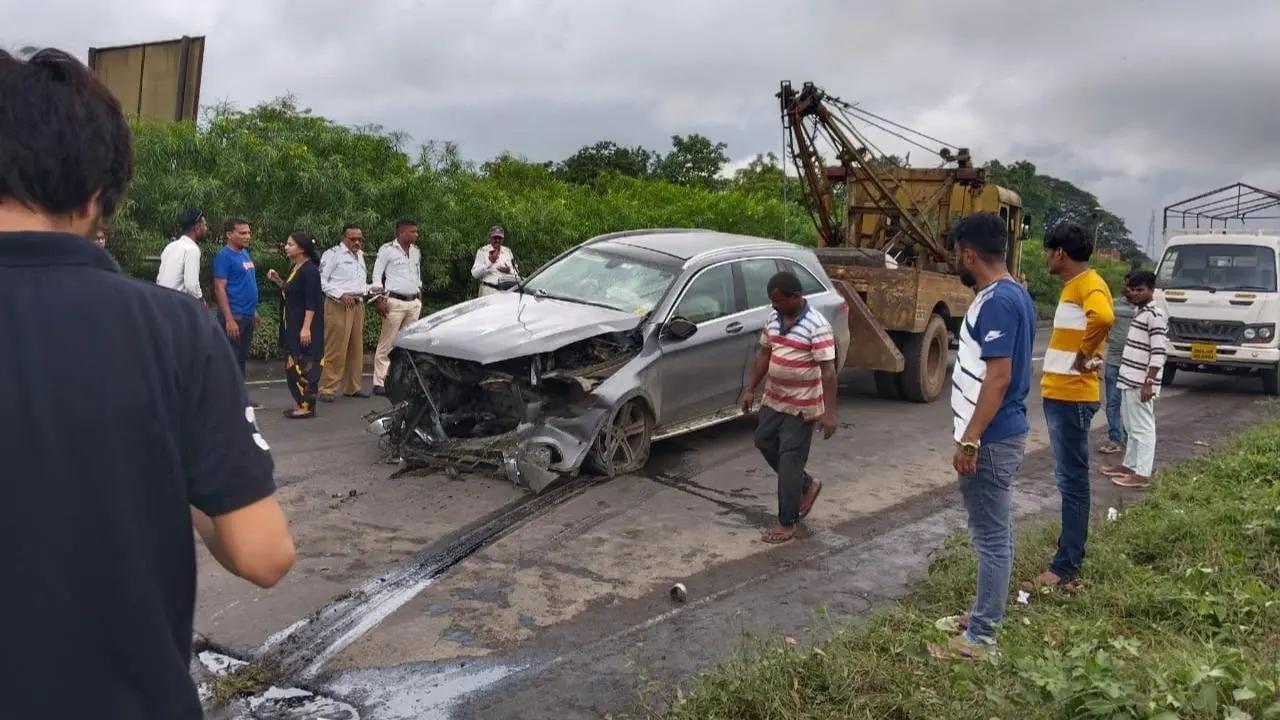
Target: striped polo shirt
{"x": 793, "y": 385}
{"x": 1145, "y": 347}
{"x": 1081, "y": 323}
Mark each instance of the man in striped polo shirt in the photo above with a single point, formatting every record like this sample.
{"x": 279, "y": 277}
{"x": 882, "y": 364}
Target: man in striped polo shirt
{"x": 1071, "y": 387}
{"x": 1141, "y": 366}
{"x": 797, "y": 362}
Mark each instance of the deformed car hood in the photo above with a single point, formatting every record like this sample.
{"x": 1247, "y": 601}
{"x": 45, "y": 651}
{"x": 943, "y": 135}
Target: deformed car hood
{"x": 507, "y": 325}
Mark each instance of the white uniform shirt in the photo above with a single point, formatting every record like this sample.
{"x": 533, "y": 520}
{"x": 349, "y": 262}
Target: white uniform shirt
{"x": 180, "y": 267}
{"x": 342, "y": 272}
{"x": 396, "y": 271}
{"x": 487, "y": 272}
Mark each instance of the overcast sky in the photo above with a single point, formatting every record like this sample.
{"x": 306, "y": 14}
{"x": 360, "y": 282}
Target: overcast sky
{"x": 1141, "y": 103}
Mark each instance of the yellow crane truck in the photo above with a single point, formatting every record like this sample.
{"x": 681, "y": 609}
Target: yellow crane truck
{"x": 882, "y": 235}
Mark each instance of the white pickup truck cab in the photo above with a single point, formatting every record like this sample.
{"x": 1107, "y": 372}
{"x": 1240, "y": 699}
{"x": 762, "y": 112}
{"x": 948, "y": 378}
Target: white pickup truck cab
{"x": 1220, "y": 292}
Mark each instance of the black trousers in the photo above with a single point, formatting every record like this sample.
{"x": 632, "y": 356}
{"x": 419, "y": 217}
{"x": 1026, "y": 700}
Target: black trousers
{"x": 303, "y": 377}
{"x": 240, "y": 347}
{"x": 784, "y": 442}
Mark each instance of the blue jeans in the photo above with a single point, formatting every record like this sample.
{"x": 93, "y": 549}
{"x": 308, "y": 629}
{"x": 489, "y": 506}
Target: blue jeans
{"x": 1115, "y": 424}
{"x": 988, "y": 497}
{"x": 1069, "y": 435}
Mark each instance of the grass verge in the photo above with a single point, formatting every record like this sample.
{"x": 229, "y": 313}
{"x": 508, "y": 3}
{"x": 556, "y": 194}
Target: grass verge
{"x": 1180, "y": 618}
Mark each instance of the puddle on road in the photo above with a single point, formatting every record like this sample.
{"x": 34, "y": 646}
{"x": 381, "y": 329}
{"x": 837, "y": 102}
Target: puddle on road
{"x": 425, "y": 690}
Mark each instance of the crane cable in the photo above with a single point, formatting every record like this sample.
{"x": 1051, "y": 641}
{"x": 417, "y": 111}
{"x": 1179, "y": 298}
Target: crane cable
{"x": 853, "y": 107}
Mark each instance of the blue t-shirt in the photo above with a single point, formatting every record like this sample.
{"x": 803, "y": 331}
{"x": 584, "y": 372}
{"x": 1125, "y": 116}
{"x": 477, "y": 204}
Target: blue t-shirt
{"x": 236, "y": 267}
{"x": 1000, "y": 323}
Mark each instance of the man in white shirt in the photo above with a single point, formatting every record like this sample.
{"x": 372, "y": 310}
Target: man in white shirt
{"x": 398, "y": 273}
{"x": 494, "y": 263}
{"x": 180, "y": 261}
{"x": 342, "y": 280}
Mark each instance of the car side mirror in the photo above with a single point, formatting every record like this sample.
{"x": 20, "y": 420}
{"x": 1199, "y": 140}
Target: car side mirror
{"x": 506, "y": 284}
{"x": 680, "y": 329}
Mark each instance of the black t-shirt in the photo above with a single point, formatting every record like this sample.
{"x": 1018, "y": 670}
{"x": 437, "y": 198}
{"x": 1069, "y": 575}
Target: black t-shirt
{"x": 120, "y": 405}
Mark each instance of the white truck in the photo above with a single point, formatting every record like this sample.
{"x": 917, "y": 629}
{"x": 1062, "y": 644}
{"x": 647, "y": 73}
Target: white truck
{"x": 1219, "y": 286}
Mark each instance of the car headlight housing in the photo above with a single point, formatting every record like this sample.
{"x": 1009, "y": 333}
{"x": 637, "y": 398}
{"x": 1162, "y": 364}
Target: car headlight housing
{"x": 1259, "y": 334}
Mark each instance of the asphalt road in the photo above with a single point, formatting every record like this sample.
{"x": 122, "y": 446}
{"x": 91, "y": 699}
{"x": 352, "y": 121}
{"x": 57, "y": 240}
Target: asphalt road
{"x": 438, "y": 597}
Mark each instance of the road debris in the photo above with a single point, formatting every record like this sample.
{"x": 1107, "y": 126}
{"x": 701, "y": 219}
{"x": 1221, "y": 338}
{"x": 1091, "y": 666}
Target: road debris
{"x": 1113, "y": 514}
{"x": 1024, "y": 597}
{"x": 679, "y": 593}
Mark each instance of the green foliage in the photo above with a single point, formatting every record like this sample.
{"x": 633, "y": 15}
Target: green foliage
{"x": 1178, "y": 619}
{"x": 693, "y": 160}
{"x": 283, "y": 169}
{"x": 606, "y": 156}
{"x": 1048, "y": 201}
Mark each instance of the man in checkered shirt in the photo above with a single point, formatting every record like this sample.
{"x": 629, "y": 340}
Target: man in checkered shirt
{"x": 797, "y": 362}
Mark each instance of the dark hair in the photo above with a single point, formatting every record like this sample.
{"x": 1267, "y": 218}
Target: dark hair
{"x": 351, "y": 226}
{"x": 405, "y": 222}
{"x": 307, "y": 242}
{"x": 232, "y": 223}
{"x": 189, "y": 218}
{"x": 1073, "y": 240}
{"x": 784, "y": 282}
{"x": 984, "y": 233}
{"x": 63, "y": 137}
{"x": 1140, "y": 278}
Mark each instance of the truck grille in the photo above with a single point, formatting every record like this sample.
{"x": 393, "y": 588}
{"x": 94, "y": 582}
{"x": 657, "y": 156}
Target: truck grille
{"x": 1214, "y": 331}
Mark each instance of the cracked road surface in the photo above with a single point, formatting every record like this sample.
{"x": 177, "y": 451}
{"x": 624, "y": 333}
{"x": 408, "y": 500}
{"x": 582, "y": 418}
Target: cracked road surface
{"x": 429, "y": 597}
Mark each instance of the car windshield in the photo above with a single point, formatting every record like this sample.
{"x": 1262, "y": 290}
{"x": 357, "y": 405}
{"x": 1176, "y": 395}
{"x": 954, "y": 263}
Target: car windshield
{"x": 599, "y": 278}
{"x": 1218, "y": 267}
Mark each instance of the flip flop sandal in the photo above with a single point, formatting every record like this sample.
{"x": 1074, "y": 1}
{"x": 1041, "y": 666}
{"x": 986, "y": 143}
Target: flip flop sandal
{"x": 775, "y": 538}
{"x": 955, "y": 649}
{"x": 295, "y": 415}
{"x": 816, "y": 494}
{"x": 953, "y": 624}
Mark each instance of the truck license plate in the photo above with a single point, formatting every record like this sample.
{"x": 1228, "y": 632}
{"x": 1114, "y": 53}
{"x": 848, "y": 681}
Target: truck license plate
{"x": 1204, "y": 352}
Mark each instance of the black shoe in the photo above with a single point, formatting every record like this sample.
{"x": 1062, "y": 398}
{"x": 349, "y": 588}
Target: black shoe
{"x": 325, "y": 397}
{"x": 358, "y": 394}
{"x": 379, "y": 391}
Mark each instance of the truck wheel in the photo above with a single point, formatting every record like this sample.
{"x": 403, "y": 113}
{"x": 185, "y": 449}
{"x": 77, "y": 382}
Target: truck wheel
{"x": 1271, "y": 381}
{"x": 887, "y": 385}
{"x": 925, "y": 374}
{"x": 1170, "y": 372}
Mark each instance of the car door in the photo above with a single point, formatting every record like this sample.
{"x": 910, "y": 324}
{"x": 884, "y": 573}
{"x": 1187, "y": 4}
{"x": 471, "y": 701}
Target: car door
{"x": 702, "y": 374}
{"x": 755, "y": 274}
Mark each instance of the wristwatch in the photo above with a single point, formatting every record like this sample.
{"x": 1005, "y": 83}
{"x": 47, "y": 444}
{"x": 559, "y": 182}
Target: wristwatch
{"x": 970, "y": 448}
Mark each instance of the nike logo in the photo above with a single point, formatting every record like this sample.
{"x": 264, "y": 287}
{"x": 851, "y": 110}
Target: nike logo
{"x": 993, "y": 335}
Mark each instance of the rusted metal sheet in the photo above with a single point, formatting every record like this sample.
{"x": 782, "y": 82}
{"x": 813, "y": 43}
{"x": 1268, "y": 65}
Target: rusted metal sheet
{"x": 159, "y": 80}
{"x": 870, "y": 346}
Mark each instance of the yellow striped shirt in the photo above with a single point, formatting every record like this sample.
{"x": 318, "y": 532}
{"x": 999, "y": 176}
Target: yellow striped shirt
{"x": 1081, "y": 324}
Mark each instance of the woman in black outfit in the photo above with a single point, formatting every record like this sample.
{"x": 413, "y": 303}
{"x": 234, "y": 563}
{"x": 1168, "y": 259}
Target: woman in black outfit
{"x": 301, "y": 323}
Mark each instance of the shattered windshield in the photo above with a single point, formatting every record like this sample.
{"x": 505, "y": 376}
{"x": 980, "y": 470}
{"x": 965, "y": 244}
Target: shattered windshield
{"x": 598, "y": 278}
{"x": 1218, "y": 267}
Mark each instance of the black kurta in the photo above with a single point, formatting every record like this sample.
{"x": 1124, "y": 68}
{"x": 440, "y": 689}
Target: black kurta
{"x": 302, "y": 293}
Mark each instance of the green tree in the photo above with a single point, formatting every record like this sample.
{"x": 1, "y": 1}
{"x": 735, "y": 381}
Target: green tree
{"x": 693, "y": 160}
{"x": 764, "y": 176}
{"x": 606, "y": 156}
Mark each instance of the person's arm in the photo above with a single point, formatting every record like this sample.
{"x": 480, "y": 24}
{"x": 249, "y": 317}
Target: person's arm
{"x": 1099, "y": 316}
{"x": 191, "y": 274}
{"x": 229, "y": 469}
{"x": 380, "y": 269}
{"x": 220, "y": 273}
{"x": 482, "y": 264}
{"x": 327, "y": 265}
{"x": 758, "y": 370}
{"x": 824, "y": 352}
{"x": 1158, "y": 339}
{"x": 313, "y": 299}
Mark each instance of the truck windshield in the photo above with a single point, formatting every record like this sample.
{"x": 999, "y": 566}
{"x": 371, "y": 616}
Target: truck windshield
{"x": 1218, "y": 267}
{"x": 597, "y": 278}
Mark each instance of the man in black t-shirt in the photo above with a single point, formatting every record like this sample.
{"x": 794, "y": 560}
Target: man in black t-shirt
{"x": 123, "y": 422}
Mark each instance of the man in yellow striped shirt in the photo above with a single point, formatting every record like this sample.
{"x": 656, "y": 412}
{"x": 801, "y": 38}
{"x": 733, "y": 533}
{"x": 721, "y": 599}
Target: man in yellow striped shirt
{"x": 1071, "y": 387}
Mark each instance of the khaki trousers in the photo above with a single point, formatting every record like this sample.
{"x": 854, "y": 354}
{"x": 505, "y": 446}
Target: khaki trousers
{"x": 400, "y": 313}
{"x": 343, "y": 347}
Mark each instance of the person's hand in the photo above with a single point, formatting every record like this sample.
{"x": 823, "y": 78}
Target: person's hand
{"x": 233, "y": 329}
{"x": 274, "y": 276}
{"x": 1085, "y": 364}
{"x": 305, "y": 337}
{"x": 257, "y": 320}
{"x": 828, "y": 424}
{"x": 747, "y": 400}
{"x": 1148, "y": 391}
{"x": 349, "y": 299}
{"x": 964, "y": 464}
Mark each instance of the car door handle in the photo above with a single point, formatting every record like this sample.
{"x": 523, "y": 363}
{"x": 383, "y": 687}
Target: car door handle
{"x": 733, "y": 328}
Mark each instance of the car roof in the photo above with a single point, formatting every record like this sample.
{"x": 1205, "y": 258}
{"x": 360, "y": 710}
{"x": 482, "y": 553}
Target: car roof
{"x": 685, "y": 244}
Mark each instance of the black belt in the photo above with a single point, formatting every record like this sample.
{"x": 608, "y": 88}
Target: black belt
{"x": 406, "y": 298}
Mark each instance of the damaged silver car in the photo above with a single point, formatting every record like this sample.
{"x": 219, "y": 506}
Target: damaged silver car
{"x": 623, "y": 340}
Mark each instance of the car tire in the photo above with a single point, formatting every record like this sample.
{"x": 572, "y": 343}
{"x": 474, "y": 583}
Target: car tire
{"x": 622, "y": 445}
{"x": 1271, "y": 381}
{"x": 1170, "y": 372}
{"x": 888, "y": 385}
{"x": 925, "y": 374}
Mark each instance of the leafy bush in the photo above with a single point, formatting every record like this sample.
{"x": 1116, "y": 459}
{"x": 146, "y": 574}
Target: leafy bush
{"x": 283, "y": 169}
{"x": 1045, "y": 288}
